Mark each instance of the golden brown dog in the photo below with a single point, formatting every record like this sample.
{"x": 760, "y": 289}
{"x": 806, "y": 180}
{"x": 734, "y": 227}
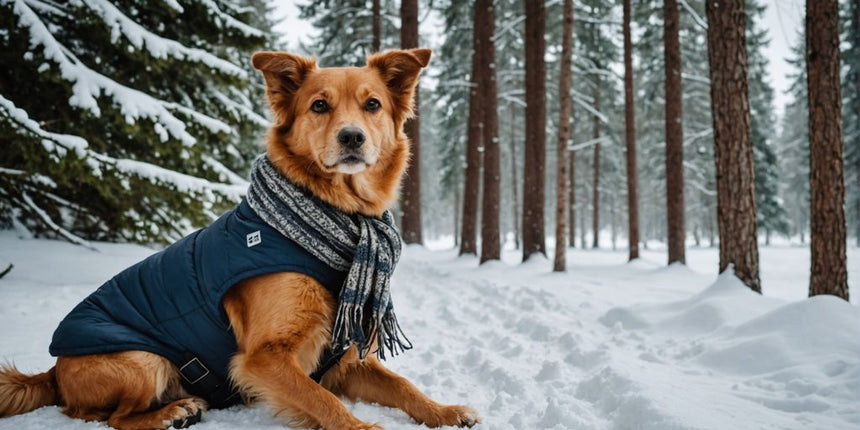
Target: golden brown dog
{"x": 281, "y": 321}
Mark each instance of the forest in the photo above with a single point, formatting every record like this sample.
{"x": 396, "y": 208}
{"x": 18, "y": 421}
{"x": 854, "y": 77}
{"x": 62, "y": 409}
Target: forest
{"x": 543, "y": 125}
{"x": 618, "y": 214}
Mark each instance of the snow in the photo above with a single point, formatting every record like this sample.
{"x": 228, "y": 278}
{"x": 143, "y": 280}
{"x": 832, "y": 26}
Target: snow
{"x": 62, "y": 144}
{"x": 155, "y": 45}
{"x": 607, "y": 345}
{"x": 231, "y": 22}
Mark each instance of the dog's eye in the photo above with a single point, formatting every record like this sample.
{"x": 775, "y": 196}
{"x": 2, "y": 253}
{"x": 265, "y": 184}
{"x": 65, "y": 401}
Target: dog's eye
{"x": 372, "y": 105}
{"x": 320, "y": 106}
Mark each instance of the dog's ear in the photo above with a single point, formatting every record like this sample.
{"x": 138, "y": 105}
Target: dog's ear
{"x": 400, "y": 70}
{"x": 284, "y": 73}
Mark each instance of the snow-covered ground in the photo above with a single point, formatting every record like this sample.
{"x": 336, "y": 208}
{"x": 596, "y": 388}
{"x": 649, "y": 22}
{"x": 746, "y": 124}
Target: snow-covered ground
{"x": 607, "y": 345}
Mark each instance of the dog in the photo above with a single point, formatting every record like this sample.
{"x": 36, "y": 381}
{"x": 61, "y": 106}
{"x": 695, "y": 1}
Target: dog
{"x": 338, "y": 132}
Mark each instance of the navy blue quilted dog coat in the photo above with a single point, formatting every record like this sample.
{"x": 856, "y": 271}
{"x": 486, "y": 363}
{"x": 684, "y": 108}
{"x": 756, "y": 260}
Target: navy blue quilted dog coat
{"x": 170, "y": 303}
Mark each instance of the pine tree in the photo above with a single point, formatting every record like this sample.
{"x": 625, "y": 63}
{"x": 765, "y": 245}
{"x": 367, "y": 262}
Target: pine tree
{"x": 563, "y": 137}
{"x": 125, "y": 120}
{"x": 699, "y": 176}
{"x": 490, "y": 241}
{"x": 346, "y": 30}
{"x": 630, "y": 140}
{"x": 827, "y": 186}
{"x": 736, "y": 196}
{"x": 472, "y": 184}
{"x": 535, "y": 152}
{"x": 674, "y": 134}
{"x": 410, "y": 198}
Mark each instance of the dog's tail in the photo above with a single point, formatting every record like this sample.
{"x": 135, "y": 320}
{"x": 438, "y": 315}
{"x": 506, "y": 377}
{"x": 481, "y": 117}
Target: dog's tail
{"x": 21, "y": 393}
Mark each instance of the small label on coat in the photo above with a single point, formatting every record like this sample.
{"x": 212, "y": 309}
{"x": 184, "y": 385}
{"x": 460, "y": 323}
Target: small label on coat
{"x": 254, "y": 238}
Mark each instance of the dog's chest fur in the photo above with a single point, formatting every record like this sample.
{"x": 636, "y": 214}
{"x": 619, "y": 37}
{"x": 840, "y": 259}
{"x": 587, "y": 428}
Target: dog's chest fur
{"x": 284, "y": 312}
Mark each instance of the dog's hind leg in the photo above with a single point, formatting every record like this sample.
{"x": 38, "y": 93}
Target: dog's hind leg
{"x": 370, "y": 381}
{"x": 123, "y": 388}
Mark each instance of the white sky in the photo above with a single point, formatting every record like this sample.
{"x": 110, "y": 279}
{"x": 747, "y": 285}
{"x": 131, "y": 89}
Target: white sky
{"x": 783, "y": 20}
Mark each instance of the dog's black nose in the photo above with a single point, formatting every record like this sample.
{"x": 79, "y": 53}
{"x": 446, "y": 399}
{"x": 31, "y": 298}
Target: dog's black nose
{"x": 351, "y": 137}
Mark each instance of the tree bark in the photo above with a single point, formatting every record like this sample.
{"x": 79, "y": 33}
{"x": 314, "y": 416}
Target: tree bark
{"x": 674, "y": 135}
{"x": 469, "y": 232}
{"x": 535, "y": 149}
{"x": 490, "y": 242}
{"x": 410, "y": 194}
{"x": 514, "y": 183}
{"x": 564, "y": 120}
{"x": 827, "y": 187}
{"x": 733, "y": 150}
{"x": 595, "y": 190}
{"x": 630, "y": 134}
{"x": 377, "y": 27}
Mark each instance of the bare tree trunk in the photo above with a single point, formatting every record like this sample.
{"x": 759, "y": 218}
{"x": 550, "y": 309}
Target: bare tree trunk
{"x": 613, "y": 227}
{"x": 514, "y": 183}
{"x": 733, "y": 152}
{"x": 571, "y": 162}
{"x": 456, "y": 216}
{"x": 490, "y": 242}
{"x": 535, "y": 149}
{"x": 469, "y": 232}
{"x": 583, "y": 233}
{"x": 377, "y": 27}
{"x": 630, "y": 134}
{"x": 595, "y": 191}
{"x": 696, "y": 237}
{"x": 565, "y": 109}
{"x": 674, "y": 135}
{"x": 827, "y": 187}
{"x": 410, "y": 195}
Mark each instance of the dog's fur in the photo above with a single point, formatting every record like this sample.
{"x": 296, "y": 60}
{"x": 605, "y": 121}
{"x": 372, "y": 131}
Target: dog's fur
{"x": 282, "y": 321}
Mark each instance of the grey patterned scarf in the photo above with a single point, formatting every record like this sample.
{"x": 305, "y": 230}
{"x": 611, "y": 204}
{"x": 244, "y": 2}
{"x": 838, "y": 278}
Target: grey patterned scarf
{"x": 367, "y": 247}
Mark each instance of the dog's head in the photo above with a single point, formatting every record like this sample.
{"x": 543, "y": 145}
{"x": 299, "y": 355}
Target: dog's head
{"x": 339, "y": 131}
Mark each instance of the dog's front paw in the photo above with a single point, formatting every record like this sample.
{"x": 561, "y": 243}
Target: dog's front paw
{"x": 454, "y": 415}
{"x": 184, "y": 413}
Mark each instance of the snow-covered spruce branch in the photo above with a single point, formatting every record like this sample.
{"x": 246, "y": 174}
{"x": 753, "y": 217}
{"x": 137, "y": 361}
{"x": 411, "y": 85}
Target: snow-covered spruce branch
{"x": 698, "y": 19}
{"x": 174, "y": 4}
{"x": 585, "y": 103}
{"x": 96, "y": 161}
{"x": 231, "y": 22}
{"x": 508, "y": 28}
{"x": 240, "y": 110}
{"x": 225, "y": 173}
{"x": 46, "y": 219}
{"x": 212, "y": 124}
{"x": 155, "y": 45}
{"x": 695, "y": 78}
{"x": 588, "y": 143}
{"x": 87, "y": 84}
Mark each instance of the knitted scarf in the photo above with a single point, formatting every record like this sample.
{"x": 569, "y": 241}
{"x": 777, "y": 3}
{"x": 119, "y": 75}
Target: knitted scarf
{"x": 367, "y": 247}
